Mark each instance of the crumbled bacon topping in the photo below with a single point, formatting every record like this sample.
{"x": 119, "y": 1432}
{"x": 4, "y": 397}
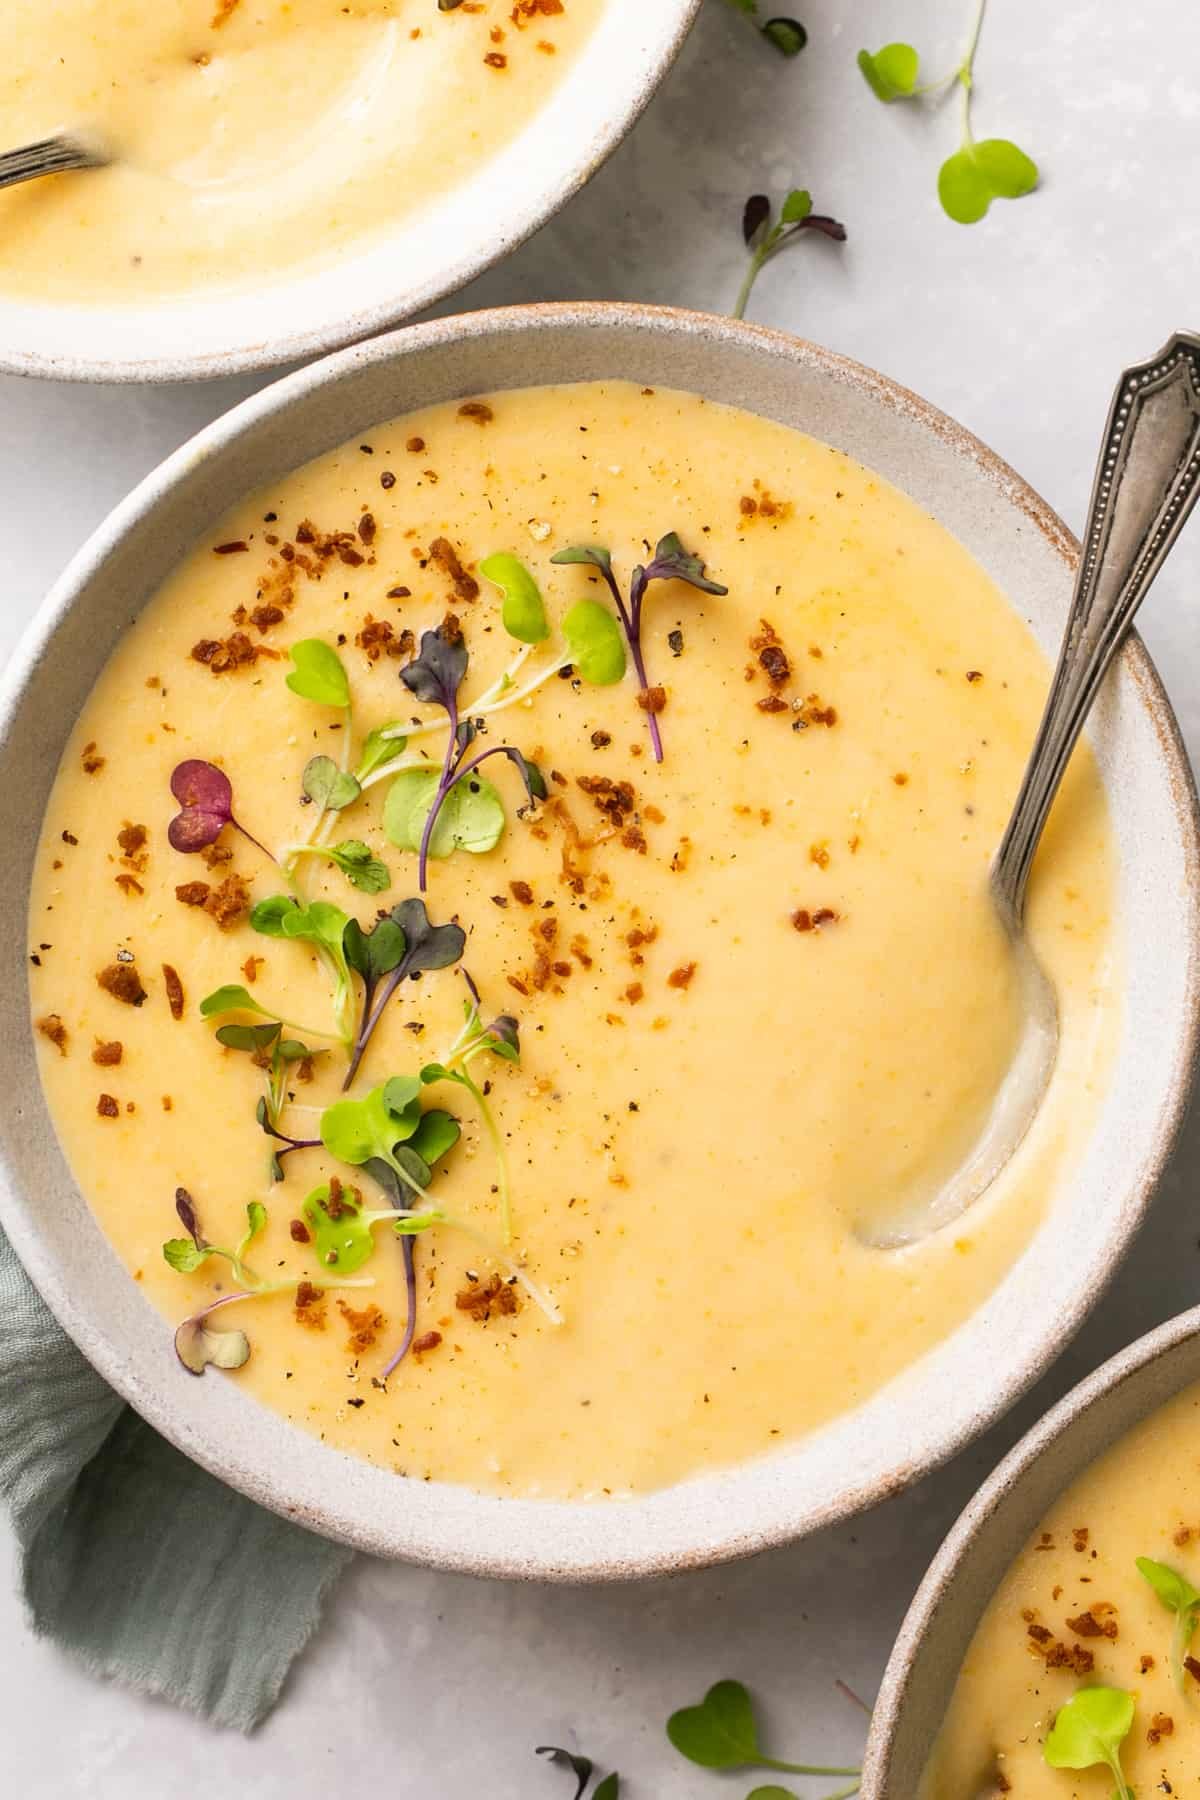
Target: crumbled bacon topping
{"x": 443, "y": 553}
{"x": 52, "y": 1028}
{"x": 482, "y": 1298}
{"x": 122, "y": 981}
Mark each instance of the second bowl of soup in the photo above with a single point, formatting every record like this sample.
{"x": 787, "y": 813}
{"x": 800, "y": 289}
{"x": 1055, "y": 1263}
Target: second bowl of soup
{"x": 510, "y": 916}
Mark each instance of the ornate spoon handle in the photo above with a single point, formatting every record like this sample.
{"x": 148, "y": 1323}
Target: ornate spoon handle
{"x": 52, "y": 156}
{"x": 1147, "y": 481}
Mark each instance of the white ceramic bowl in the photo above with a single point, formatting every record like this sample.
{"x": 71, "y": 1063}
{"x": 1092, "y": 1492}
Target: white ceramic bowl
{"x": 936, "y": 1406}
{"x": 991, "y": 1532}
{"x": 427, "y": 256}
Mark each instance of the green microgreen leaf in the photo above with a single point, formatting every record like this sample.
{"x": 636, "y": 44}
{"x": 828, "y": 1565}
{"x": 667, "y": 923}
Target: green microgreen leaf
{"x": 608, "y": 1789}
{"x": 361, "y": 867}
{"x": 471, "y": 815}
{"x": 891, "y": 73}
{"x": 341, "y": 1233}
{"x": 184, "y": 1256}
{"x": 375, "y": 953}
{"x": 257, "y": 1039}
{"x": 436, "y": 1135}
{"x": 796, "y": 206}
{"x": 771, "y": 1792}
{"x": 595, "y": 642}
{"x": 1089, "y": 1731}
{"x": 381, "y": 745}
{"x": 788, "y": 37}
{"x": 979, "y": 173}
{"x": 722, "y": 1733}
{"x": 327, "y": 786}
{"x": 231, "y": 998}
{"x": 256, "y": 1224}
{"x": 522, "y": 613}
{"x": 319, "y": 923}
{"x": 1181, "y": 1598}
{"x": 319, "y": 674}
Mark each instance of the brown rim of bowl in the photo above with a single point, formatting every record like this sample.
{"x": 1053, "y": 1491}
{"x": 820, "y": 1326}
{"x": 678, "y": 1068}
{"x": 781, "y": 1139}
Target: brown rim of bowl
{"x": 1093, "y": 1389}
{"x": 644, "y": 319}
{"x": 325, "y": 340}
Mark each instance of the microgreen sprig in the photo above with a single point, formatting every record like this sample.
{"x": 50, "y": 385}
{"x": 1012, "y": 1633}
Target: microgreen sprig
{"x": 357, "y": 861}
{"x": 438, "y": 813}
{"x": 402, "y": 945}
{"x": 722, "y": 1733}
{"x": 323, "y": 925}
{"x": 196, "y": 1346}
{"x": 205, "y": 796}
{"x": 670, "y": 562}
{"x": 765, "y": 235}
{"x": 980, "y": 170}
{"x": 1181, "y": 1598}
{"x": 787, "y": 35}
{"x": 1089, "y": 1731}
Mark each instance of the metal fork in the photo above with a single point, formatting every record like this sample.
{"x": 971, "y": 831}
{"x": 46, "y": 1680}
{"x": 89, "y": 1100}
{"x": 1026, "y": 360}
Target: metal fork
{"x": 51, "y": 156}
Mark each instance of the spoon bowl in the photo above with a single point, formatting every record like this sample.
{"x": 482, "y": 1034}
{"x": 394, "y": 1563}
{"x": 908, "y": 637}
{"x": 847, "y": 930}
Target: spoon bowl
{"x": 1147, "y": 481}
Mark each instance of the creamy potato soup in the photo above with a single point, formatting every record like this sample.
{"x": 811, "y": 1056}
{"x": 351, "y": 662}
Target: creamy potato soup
{"x": 657, "y": 754}
{"x": 1081, "y": 1680}
{"x": 252, "y": 137}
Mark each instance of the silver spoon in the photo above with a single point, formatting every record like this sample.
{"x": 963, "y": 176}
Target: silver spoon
{"x": 1147, "y": 481}
{"x": 52, "y": 156}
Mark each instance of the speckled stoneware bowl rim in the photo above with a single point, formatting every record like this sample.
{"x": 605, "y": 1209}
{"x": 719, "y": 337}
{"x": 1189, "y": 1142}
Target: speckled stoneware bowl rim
{"x": 208, "y": 336}
{"x": 1105, "y": 1405}
{"x": 926, "y": 1414}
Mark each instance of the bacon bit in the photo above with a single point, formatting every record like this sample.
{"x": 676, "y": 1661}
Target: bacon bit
{"x": 1182, "y": 1536}
{"x": 451, "y": 629}
{"x": 251, "y": 966}
{"x": 123, "y": 982}
{"x": 484, "y": 1297}
{"x": 107, "y": 1056}
{"x": 443, "y": 553}
{"x": 615, "y": 799}
{"x": 223, "y": 655}
{"x": 299, "y": 1233}
{"x": 747, "y": 506}
{"x": 634, "y": 838}
{"x": 174, "y": 989}
{"x": 192, "y": 893}
{"x": 773, "y": 703}
{"x": 365, "y": 1326}
{"x": 652, "y": 699}
{"x": 495, "y": 60}
{"x": 803, "y": 920}
{"x": 215, "y": 854}
{"x": 525, "y": 10}
{"x": 1145, "y": 1664}
{"x": 167, "y": 1103}
{"x": 1161, "y": 1725}
{"x": 239, "y": 545}
{"x": 107, "y": 1107}
{"x": 1087, "y": 1625}
{"x": 814, "y": 711}
{"x": 819, "y": 854}
{"x": 634, "y": 992}
{"x": 91, "y": 760}
{"x": 901, "y": 779}
{"x": 226, "y": 903}
{"x": 428, "y": 1340}
{"x": 521, "y": 892}
{"x": 52, "y": 1027}
{"x": 477, "y": 410}
{"x": 974, "y": 674}
{"x": 132, "y": 839}
{"x": 310, "y": 1306}
{"x": 379, "y": 637}
{"x": 774, "y": 663}
{"x": 579, "y": 950}
{"x": 601, "y": 740}
{"x": 682, "y": 856}
{"x": 367, "y": 528}
{"x": 265, "y": 616}
{"x": 682, "y": 976}
{"x": 514, "y": 982}
{"x": 415, "y": 445}
{"x": 1081, "y": 1534}
{"x": 1192, "y": 1666}
{"x": 129, "y": 884}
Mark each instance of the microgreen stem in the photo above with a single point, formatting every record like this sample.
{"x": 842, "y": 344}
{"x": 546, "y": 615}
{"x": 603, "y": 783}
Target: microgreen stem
{"x": 631, "y": 624}
{"x": 410, "y": 1287}
{"x": 497, "y": 1143}
{"x": 449, "y": 763}
{"x": 754, "y": 269}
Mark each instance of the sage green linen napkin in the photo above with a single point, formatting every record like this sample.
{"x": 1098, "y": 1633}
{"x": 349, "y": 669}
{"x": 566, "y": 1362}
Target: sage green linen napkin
{"x": 132, "y": 1558}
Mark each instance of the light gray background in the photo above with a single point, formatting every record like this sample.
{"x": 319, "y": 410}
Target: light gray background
{"x": 430, "y": 1687}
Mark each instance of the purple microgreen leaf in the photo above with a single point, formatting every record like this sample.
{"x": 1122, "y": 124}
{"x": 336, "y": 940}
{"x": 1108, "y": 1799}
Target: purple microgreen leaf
{"x": 205, "y": 796}
{"x": 596, "y": 554}
{"x": 185, "y": 1206}
{"x": 580, "y": 1766}
{"x": 422, "y": 946}
{"x": 429, "y": 946}
{"x": 436, "y": 675}
{"x": 673, "y": 563}
{"x": 830, "y": 228}
{"x": 531, "y": 775}
{"x": 756, "y": 216}
{"x": 505, "y": 1038}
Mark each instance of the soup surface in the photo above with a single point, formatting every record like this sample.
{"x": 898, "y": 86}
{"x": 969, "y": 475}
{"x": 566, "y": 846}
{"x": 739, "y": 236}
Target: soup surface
{"x": 1075, "y": 1612}
{"x": 758, "y": 985}
{"x": 253, "y": 137}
